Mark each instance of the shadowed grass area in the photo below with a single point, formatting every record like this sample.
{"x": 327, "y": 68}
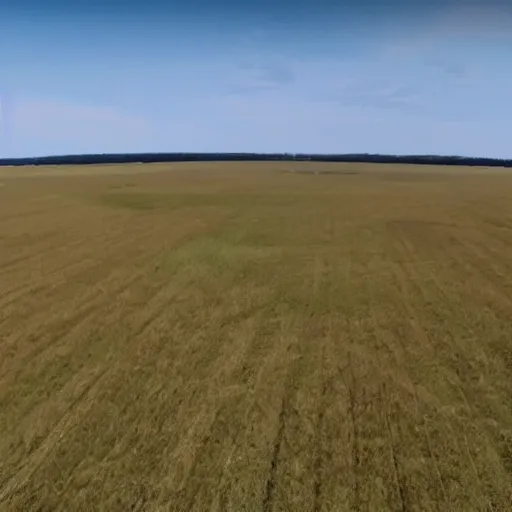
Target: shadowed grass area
{"x": 147, "y": 200}
{"x": 141, "y": 200}
{"x": 218, "y": 256}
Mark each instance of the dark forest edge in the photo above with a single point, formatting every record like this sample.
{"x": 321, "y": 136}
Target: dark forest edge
{"x": 126, "y": 158}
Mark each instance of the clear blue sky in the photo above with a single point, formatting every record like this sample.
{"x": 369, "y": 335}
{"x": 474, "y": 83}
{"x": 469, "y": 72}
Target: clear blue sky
{"x": 281, "y": 75}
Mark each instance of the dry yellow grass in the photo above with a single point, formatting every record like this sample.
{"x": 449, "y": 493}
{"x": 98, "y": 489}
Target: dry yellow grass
{"x": 255, "y": 337}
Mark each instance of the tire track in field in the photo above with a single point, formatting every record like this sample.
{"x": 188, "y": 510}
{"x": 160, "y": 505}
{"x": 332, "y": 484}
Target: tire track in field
{"x": 83, "y": 271}
{"x": 296, "y": 478}
{"x": 78, "y": 321}
{"x": 287, "y": 413}
{"x": 91, "y": 231}
{"x": 270, "y": 485}
{"x": 114, "y": 252}
{"x": 484, "y": 272}
{"x": 231, "y": 421}
{"x": 109, "y": 257}
{"x": 96, "y": 299}
{"x": 398, "y": 473}
{"x": 129, "y": 380}
{"x": 51, "y": 256}
{"x": 177, "y": 357}
{"x": 245, "y": 411}
{"x": 78, "y": 409}
{"x": 472, "y": 262}
{"x": 320, "y": 455}
{"x": 22, "y": 215}
{"x": 256, "y": 417}
{"x": 348, "y": 377}
{"x": 405, "y": 281}
{"x": 48, "y": 247}
{"x": 319, "y": 439}
{"x": 144, "y": 324}
{"x": 222, "y": 428}
{"x": 456, "y": 373}
{"x": 88, "y": 301}
{"x": 12, "y": 295}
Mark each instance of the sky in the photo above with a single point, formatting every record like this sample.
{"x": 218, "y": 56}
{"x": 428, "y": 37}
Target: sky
{"x": 311, "y": 76}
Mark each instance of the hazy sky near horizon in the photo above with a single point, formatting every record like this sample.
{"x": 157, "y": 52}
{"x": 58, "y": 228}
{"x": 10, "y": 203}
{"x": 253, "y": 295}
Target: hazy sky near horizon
{"x": 269, "y": 76}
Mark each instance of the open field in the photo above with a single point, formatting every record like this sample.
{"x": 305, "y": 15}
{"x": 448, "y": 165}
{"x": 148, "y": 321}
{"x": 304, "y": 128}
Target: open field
{"x": 256, "y": 337}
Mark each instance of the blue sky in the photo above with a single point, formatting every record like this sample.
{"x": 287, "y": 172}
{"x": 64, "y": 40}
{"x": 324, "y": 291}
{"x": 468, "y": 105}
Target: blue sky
{"x": 301, "y": 76}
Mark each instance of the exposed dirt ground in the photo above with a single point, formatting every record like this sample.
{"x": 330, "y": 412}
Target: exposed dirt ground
{"x": 256, "y": 337}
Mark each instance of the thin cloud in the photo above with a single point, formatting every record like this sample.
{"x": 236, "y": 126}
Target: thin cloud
{"x": 453, "y": 69}
{"x": 454, "y": 26}
{"x": 476, "y": 20}
{"x": 254, "y": 76}
{"x": 379, "y": 97}
{"x": 80, "y": 127}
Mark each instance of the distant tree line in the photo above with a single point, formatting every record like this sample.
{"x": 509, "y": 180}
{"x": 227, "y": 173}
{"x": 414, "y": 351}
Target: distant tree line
{"x": 216, "y": 157}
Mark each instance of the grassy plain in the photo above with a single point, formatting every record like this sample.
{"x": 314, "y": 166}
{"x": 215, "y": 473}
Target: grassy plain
{"x": 255, "y": 337}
